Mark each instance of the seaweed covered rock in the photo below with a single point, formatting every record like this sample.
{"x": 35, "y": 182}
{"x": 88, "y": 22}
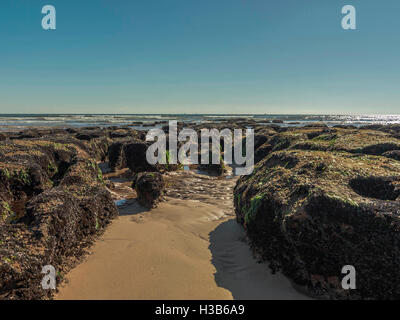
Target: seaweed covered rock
{"x": 262, "y": 152}
{"x": 321, "y": 138}
{"x": 149, "y": 187}
{"x": 63, "y": 217}
{"x": 135, "y": 156}
{"x": 128, "y": 153}
{"x": 52, "y": 202}
{"x": 29, "y": 167}
{"x": 395, "y": 154}
{"x": 352, "y": 141}
{"x": 218, "y": 168}
{"x": 116, "y": 155}
{"x": 20, "y": 264}
{"x": 122, "y": 133}
{"x": 310, "y": 213}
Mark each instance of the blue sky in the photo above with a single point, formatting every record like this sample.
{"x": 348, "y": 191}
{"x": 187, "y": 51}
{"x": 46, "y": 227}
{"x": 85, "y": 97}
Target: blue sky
{"x": 200, "y": 56}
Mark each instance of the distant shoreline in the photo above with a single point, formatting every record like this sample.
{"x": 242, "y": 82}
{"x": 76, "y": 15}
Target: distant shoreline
{"x": 141, "y": 121}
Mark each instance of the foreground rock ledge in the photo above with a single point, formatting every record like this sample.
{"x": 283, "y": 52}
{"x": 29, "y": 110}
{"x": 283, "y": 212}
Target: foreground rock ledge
{"x": 309, "y": 213}
{"x": 53, "y": 202}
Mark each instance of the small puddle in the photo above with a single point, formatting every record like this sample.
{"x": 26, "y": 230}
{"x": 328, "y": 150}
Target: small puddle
{"x": 119, "y": 203}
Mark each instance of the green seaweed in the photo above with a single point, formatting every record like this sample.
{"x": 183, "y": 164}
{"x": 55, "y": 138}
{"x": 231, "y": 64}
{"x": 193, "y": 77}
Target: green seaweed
{"x": 51, "y": 167}
{"x": 6, "y": 173}
{"x": 97, "y": 224}
{"x": 22, "y": 176}
{"x": 344, "y": 200}
{"x": 251, "y": 212}
{"x": 100, "y": 175}
{"x": 7, "y": 213}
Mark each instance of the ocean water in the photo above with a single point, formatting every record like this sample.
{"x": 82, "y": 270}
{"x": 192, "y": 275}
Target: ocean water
{"x": 87, "y": 120}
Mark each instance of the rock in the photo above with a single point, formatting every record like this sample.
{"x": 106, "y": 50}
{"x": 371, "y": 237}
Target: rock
{"x": 29, "y": 133}
{"x": 72, "y": 130}
{"x": 218, "y": 169}
{"x": 149, "y": 187}
{"x": 3, "y": 136}
{"x": 116, "y": 156}
{"x": 344, "y": 126}
{"x": 276, "y": 128}
{"x": 396, "y": 135}
{"x": 260, "y": 139}
{"x": 372, "y": 127}
{"x": 395, "y": 154}
{"x": 326, "y": 134}
{"x": 285, "y": 140}
{"x": 337, "y": 139}
{"x": 54, "y": 218}
{"x": 88, "y": 136}
{"x": 53, "y": 201}
{"x": 135, "y": 156}
{"x": 121, "y": 133}
{"x": 316, "y": 125}
{"x": 20, "y": 264}
{"x": 309, "y": 213}
{"x": 262, "y": 152}
{"x": 376, "y": 187}
{"x": 380, "y": 148}
{"x": 132, "y": 154}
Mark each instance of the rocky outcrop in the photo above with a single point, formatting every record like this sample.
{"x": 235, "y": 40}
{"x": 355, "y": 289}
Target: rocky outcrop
{"x": 53, "y": 202}
{"x": 309, "y": 213}
{"x": 395, "y": 154}
{"x": 135, "y": 156}
{"x": 318, "y": 137}
{"x": 132, "y": 154}
{"x": 218, "y": 168}
{"x": 116, "y": 155}
{"x": 149, "y": 187}
{"x": 262, "y": 151}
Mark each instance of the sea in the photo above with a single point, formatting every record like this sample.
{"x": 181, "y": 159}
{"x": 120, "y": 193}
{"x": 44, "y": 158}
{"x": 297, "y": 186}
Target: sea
{"x": 21, "y": 121}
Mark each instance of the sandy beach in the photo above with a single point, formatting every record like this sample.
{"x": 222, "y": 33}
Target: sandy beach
{"x": 183, "y": 249}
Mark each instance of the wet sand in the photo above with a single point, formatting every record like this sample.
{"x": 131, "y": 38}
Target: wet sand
{"x": 184, "y": 249}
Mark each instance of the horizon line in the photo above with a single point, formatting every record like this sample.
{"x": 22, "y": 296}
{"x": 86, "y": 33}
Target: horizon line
{"x": 200, "y": 114}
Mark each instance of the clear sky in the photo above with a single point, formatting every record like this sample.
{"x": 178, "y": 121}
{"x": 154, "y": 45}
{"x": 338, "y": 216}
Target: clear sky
{"x": 200, "y": 56}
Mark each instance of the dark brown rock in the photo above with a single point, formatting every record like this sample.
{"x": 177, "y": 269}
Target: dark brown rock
{"x": 116, "y": 156}
{"x": 309, "y": 213}
{"x": 149, "y": 187}
{"x": 52, "y": 203}
{"x": 395, "y": 154}
{"x": 135, "y": 156}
